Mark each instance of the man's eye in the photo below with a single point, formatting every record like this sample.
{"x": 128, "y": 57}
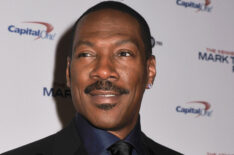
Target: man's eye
{"x": 125, "y": 54}
{"x": 84, "y": 55}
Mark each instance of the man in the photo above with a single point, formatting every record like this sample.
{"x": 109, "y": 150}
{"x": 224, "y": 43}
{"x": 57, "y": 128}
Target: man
{"x": 109, "y": 68}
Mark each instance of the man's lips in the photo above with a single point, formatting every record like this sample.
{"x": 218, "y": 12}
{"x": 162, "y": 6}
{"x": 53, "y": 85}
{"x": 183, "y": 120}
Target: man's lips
{"x": 104, "y": 93}
{"x": 105, "y": 99}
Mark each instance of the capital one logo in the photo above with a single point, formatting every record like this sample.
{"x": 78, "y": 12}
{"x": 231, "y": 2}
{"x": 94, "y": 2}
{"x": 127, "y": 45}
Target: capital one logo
{"x": 196, "y": 108}
{"x": 206, "y": 6}
{"x": 30, "y": 30}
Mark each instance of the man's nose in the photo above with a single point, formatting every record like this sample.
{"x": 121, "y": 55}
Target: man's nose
{"x": 104, "y": 69}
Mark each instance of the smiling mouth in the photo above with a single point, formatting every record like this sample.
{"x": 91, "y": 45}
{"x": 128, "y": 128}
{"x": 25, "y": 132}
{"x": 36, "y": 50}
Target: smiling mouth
{"x": 104, "y": 93}
{"x": 105, "y": 100}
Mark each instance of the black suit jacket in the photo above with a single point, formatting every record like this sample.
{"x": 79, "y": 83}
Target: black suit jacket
{"x": 68, "y": 142}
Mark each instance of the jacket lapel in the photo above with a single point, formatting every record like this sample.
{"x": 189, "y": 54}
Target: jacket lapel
{"x": 68, "y": 142}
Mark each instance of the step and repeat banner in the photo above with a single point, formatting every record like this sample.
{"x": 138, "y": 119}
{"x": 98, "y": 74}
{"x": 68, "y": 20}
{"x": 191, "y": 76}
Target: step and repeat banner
{"x": 190, "y": 107}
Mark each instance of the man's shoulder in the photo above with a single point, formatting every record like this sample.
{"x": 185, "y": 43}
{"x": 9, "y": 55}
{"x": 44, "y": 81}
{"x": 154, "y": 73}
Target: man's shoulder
{"x": 155, "y": 148}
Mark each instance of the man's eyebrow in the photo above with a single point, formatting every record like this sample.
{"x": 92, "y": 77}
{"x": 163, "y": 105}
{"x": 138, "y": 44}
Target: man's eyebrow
{"x": 125, "y": 41}
{"x": 83, "y": 42}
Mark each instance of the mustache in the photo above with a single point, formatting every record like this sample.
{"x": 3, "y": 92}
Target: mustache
{"x": 105, "y": 85}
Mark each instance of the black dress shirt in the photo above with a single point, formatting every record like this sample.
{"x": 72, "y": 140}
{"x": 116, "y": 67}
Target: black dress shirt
{"x": 97, "y": 141}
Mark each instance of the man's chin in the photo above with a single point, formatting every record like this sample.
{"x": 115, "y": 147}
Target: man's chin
{"x": 108, "y": 123}
{"x": 106, "y": 107}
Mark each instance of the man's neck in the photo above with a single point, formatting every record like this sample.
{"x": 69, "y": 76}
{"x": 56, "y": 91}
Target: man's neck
{"x": 123, "y": 132}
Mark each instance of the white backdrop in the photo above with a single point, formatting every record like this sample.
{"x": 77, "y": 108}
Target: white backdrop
{"x": 189, "y": 108}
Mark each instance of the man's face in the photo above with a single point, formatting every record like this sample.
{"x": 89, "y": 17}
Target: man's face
{"x": 108, "y": 70}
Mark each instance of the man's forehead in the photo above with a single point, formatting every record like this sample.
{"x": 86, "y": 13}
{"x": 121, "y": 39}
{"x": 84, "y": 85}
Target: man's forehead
{"x": 107, "y": 22}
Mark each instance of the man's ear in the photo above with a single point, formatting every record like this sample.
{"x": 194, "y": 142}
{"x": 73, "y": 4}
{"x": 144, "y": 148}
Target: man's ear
{"x": 68, "y": 72}
{"x": 151, "y": 71}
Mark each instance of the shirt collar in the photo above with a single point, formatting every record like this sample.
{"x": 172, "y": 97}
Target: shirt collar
{"x": 134, "y": 138}
{"x": 96, "y": 141}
